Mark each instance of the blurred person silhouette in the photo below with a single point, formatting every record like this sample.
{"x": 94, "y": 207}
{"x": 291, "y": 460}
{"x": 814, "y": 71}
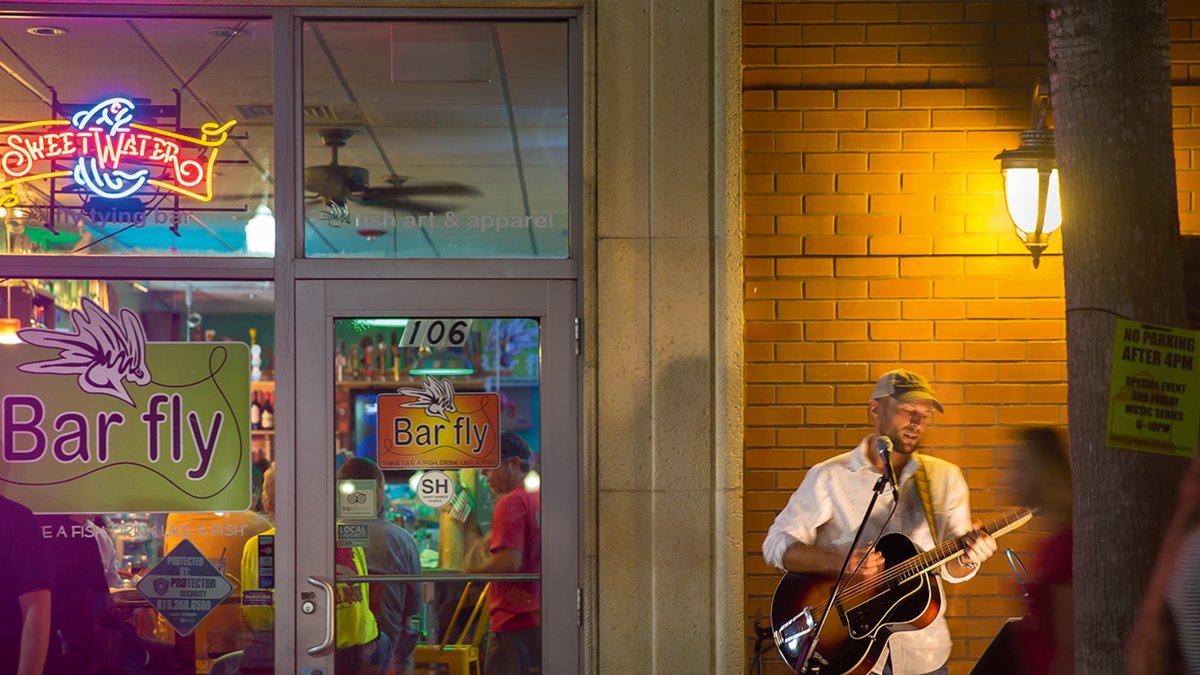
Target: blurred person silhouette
{"x": 1166, "y": 637}
{"x": 25, "y": 600}
{"x": 88, "y": 634}
{"x": 1042, "y": 479}
{"x": 391, "y": 550}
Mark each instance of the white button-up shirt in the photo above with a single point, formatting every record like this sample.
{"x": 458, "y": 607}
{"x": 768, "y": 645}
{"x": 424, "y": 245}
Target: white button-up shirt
{"x": 828, "y": 506}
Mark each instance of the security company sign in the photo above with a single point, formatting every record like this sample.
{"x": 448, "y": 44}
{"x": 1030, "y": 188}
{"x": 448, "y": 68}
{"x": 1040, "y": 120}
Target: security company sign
{"x": 184, "y": 587}
{"x": 97, "y": 420}
{"x": 1154, "y": 401}
{"x": 435, "y": 428}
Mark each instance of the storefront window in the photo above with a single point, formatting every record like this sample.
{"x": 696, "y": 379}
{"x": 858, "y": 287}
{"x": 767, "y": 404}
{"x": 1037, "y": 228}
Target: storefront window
{"x": 126, "y": 431}
{"x": 438, "y": 456}
{"x": 435, "y": 140}
{"x": 127, "y": 136}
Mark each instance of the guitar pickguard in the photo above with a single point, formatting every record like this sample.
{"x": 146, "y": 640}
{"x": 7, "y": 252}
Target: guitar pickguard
{"x": 866, "y": 620}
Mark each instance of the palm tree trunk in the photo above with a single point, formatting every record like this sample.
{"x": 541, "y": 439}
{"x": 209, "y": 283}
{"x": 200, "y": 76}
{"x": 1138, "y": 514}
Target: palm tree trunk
{"x": 1111, "y": 93}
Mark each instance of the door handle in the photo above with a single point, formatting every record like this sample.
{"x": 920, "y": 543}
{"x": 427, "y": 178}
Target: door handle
{"x": 326, "y": 645}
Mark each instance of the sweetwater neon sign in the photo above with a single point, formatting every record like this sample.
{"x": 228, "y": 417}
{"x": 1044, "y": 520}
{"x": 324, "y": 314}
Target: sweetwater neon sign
{"x": 113, "y": 156}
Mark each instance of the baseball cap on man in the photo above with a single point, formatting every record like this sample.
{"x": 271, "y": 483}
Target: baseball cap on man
{"x": 905, "y": 385}
{"x": 512, "y": 445}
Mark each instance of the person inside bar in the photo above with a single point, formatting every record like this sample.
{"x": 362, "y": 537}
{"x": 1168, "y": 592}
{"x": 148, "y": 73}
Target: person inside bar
{"x": 391, "y": 550}
{"x": 515, "y": 638}
{"x": 221, "y": 538}
{"x": 361, "y": 648}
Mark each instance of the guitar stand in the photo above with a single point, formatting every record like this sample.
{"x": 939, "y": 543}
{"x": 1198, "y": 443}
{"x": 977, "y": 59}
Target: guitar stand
{"x": 764, "y": 640}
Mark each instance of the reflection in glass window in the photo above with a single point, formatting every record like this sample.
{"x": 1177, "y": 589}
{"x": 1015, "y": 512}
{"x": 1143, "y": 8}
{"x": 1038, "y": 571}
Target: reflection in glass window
{"x": 435, "y": 140}
{"x": 419, "y": 403}
{"x": 136, "y": 135}
{"x": 97, "y": 565}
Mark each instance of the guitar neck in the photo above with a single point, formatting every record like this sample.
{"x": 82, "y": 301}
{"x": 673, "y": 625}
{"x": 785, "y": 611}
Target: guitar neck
{"x": 953, "y": 548}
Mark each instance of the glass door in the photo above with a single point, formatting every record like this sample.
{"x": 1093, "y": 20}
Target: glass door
{"x": 437, "y": 485}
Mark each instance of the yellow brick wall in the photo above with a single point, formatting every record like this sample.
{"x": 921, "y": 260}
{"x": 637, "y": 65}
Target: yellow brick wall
{"x": 877, "y": 236}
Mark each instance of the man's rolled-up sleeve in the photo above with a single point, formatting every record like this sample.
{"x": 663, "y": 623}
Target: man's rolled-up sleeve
{"x": 807, "y": 509}
{"x": 957, "y": 519}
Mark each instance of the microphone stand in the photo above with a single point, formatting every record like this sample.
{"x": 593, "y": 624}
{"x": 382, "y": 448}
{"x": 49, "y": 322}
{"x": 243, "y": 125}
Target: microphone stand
{"x": 803, "y": 667}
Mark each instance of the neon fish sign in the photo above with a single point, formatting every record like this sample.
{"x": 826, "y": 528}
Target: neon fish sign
{"x": 113, "y": 155}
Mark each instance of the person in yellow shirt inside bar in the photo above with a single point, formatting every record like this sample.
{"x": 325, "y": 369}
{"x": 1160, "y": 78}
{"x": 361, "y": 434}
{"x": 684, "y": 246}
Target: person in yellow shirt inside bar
{"x": 220, "y": 537}
{"x": 361, "y": 648}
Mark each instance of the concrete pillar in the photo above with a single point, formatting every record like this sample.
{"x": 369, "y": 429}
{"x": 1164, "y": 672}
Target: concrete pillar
{"x": 664, "y": 373}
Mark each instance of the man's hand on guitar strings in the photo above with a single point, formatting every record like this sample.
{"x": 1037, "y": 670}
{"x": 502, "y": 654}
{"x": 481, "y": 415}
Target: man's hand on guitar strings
{"x": 978, "y": 546}
{"x": 872, "y": 565}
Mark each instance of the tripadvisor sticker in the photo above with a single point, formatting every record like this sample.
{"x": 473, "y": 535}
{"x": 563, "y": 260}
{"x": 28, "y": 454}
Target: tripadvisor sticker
{"x": 1154, "y": 399}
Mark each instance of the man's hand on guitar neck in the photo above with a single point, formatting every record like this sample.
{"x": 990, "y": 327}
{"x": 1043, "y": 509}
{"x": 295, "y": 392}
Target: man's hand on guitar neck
{"x": 978, "y": 546}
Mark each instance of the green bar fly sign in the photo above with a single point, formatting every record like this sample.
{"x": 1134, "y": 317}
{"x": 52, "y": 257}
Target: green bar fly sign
{"x": 1154, "y": 401}
{"x": 97, "y": 420}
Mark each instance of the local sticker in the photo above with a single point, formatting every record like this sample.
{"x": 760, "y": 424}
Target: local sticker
{"x": 435, "y": 489}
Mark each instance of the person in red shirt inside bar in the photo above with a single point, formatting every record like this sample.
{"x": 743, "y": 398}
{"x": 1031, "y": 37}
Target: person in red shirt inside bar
{"x": 515, "y": 639}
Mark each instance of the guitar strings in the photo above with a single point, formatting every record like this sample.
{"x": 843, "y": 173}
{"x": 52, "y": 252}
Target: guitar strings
{"x": 1009, "y": 518}
{"x": 908, "y": 567}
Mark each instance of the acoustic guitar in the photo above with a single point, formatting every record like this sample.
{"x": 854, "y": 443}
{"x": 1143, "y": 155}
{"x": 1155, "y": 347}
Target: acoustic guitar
{"x": 906, "y": 595}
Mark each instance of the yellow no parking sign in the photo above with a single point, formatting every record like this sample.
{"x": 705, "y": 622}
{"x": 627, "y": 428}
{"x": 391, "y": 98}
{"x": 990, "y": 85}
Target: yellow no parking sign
{"x": 1154, "y": 399}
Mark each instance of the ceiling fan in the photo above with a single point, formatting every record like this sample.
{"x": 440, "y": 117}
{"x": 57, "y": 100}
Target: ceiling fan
{"x": 337, "y": 185}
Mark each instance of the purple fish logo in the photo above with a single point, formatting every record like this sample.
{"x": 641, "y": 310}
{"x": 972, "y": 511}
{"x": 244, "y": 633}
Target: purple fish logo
{"x": 105, "y": 353}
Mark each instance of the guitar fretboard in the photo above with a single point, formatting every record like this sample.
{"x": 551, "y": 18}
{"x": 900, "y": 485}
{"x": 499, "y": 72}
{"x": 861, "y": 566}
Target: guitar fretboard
{"x": 949, "y": 550}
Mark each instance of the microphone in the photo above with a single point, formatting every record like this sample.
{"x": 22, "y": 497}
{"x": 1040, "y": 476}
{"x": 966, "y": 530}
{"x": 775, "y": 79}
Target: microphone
{"x": 883, "y": 445}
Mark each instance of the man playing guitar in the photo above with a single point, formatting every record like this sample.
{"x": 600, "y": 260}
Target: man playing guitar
{"x": 814, "y": 531}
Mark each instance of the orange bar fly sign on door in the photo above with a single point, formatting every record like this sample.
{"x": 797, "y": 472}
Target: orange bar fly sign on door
{"x": 433, "y": 427}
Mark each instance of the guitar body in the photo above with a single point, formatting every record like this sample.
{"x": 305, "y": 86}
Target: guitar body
{"x": 859, "y": 625}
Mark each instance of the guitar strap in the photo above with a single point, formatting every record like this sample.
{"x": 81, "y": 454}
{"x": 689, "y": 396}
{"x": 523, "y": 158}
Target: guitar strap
{"x": 926, "y": 500}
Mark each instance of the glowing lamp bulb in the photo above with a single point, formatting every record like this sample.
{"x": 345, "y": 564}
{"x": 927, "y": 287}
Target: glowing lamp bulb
{"x": 260, "y": 232}
{"x": 8, "y": 331}
{"x": 1021, "y": 193}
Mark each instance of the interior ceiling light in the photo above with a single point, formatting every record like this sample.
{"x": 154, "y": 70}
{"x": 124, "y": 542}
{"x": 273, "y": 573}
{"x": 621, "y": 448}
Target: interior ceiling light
{"x": 223, "y": 31}
{"x": 46, "y": 31}
{"x": 444, "y": 363}
{"x": 8, "y": 325}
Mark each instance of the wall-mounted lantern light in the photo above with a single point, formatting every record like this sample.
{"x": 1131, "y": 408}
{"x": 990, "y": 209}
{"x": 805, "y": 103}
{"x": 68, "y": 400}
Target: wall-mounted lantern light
{"x": 1031, "y": 181}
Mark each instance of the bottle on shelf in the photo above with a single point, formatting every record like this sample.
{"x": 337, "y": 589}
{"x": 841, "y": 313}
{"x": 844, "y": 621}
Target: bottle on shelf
{"x": 268, "y": 411}
{"x": 255, "y": 411}
{"x": 340, "y": 359}
{"x": 355, "y": 362}
{"x": 255, "y": 357}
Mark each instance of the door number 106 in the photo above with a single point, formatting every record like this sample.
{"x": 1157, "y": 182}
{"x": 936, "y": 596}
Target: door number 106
{"x": 436, "y": 333}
